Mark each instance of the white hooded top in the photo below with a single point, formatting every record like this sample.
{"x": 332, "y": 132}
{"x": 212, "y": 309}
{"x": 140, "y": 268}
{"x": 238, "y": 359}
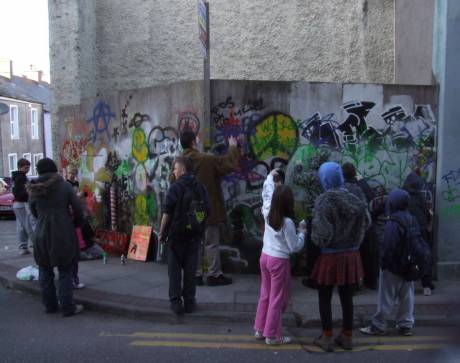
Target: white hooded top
{"x": 285, "y": 241}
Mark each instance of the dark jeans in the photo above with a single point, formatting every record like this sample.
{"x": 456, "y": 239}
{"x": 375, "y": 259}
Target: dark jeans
{"x": 182, "y": 263}
{"x": 65, "y": 288}
{"x": 370, "y": 259}
{"x": 346, "y": 300}
{"x": 427, "y": 279}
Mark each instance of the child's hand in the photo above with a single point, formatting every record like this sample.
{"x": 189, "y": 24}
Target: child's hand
{"x": 274, "y": 172}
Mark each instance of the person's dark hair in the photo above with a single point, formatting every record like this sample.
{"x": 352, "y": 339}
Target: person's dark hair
{"x": 348, "y": 170}
{"x": 23, "y": 162}
{"x": 186, "y": 162}
{"x": 46, "y": 165}
{"x": 187, "y": 138}
{"x": 279, "y": 177}
{"x": 282, "y": 206}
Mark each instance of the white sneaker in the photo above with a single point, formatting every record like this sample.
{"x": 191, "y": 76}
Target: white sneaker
{"x": 427, "y": 291}
{"x": 278, "y": 341}
{"x": 80, "y": 285}
{"x": 258, "y": 335}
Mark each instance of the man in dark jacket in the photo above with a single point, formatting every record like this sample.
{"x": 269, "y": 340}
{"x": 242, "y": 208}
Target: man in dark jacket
{"x": 209, "y": 170}
{"x": 392, "y": 287}
{"x": 418, "y": 207}
{"x": 21, "y": 210}
{"x": 182, "y": 249}
{"x": 369, "y": 247}
{"x": 52, "y": 200}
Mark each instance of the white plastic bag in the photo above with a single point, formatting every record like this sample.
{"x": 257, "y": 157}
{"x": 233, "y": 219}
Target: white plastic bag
{"x": 28, "y": 273}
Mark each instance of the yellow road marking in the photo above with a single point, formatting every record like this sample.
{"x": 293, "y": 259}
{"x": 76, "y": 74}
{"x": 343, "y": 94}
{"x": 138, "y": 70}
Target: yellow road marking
{"x": 213, "y": 345}
{"x": 262, "y": 346}
{"x": 230, "y": 337}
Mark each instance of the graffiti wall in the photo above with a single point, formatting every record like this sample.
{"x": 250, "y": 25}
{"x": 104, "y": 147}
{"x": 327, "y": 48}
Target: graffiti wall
{"x": 124, "y": 145}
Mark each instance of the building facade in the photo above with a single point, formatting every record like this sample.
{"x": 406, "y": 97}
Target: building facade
{"x": 21, "y": 134}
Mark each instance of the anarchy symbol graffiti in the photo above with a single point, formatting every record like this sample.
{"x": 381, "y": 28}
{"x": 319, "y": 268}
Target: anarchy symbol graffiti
{"x": 102, "y": 116}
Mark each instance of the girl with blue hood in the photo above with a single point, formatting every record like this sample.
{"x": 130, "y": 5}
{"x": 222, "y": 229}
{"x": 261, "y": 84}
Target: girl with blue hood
{"x": 338, "y": 228}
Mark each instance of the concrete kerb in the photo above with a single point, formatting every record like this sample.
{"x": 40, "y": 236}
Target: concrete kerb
{"x": 158, "y": 309}
{"x": 136, "y": 308}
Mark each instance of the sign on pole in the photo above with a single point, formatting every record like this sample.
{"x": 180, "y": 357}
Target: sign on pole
{"x": 203, "y": 35}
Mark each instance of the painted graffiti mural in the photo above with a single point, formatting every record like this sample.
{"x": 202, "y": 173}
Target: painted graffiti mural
{"x": 125, "y": 157}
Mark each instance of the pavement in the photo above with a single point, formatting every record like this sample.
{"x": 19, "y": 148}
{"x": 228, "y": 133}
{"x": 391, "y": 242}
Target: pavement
{"x": 140, "y": 290}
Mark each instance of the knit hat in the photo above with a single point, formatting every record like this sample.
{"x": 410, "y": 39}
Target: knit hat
{"x": 46, "y": 165}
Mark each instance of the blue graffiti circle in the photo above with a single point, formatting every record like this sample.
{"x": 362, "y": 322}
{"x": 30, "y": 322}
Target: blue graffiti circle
{"x": 101, "y": 119}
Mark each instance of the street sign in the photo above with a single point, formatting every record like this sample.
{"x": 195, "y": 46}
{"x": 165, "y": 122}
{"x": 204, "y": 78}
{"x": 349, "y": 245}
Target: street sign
{"x": 203, "y": 18}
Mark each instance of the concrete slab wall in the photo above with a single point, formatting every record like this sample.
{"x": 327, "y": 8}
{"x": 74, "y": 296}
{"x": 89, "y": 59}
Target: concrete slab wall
{"x": 413, "y": 41}
{"x": 445, "y": 64}
{"x": 129, "y": 139}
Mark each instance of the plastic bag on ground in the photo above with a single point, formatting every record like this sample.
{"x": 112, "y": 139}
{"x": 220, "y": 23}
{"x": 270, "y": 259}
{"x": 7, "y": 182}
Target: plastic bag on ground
{"x": 28, "y": 273}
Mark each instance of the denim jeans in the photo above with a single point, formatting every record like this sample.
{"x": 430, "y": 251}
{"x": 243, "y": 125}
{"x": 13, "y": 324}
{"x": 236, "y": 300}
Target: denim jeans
{"x": 24, "y": 223}
{"x": 65, "y": 288}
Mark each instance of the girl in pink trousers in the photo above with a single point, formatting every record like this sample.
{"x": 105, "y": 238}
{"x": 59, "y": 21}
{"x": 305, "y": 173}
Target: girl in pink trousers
{"x": 280, "y": 240}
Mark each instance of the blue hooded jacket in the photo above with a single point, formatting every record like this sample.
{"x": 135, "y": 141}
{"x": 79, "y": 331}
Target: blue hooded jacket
{"x": 397, "y": 205}
{"x": 331, "y": 176}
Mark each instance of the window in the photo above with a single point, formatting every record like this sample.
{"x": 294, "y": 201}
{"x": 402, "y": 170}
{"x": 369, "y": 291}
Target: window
{"x": 34, "y": 123}
{"x": 37, "y": 157}
{"x": 28, "y": 156}
{"x": 14, "y": 122}
{"x": 12, "y": 162}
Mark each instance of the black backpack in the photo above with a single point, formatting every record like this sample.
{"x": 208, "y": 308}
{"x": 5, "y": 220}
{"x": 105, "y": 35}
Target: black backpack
{"x": 189, "y": 220}
{"x": 412, "y": 259}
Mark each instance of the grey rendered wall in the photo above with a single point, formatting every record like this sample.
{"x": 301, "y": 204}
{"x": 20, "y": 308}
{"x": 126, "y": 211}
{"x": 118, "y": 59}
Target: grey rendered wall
{"x": 101, "y": 46}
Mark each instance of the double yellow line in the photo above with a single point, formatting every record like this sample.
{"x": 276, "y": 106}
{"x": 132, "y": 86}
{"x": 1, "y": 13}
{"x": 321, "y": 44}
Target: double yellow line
{"x": 215, "y": 341}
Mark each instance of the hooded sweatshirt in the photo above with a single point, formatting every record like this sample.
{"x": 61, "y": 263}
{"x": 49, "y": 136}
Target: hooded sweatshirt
{"x": 340, "y": 220}
{"x": 417, "y": 202}
{"x": 19, "y": 186}
{"x": 397, "y": 206}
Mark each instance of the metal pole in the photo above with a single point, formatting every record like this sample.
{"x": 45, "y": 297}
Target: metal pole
{"x": 207, "y": 134}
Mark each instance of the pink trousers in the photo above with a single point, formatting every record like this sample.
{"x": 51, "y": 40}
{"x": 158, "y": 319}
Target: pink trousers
{"x": 275, "y": 287}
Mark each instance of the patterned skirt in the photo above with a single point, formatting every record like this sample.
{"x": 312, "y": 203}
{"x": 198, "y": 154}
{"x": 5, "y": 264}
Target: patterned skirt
{"x": 336, "y": 269}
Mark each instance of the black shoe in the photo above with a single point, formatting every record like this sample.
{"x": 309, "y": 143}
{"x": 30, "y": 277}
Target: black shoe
{"x": 52, "y": 309}
{"x": 189, "y": 306}
{"x": 76, "y": 310}
{"x": 219, "y": 280}
{"x": 177, "y": 307}
{"x": 405, "y": 331}
{"x": 310, "y": 283}
{"x": 199, "y": 281}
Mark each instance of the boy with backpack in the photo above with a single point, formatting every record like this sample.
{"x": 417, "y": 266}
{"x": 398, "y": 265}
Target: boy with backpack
{"x": 182, "y": 225}
{"x": 404, "y": 258}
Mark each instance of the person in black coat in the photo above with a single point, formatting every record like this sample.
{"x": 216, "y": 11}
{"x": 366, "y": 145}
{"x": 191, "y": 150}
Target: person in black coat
{"x": 56, "y": 206}
{"x": 418, "y": 207}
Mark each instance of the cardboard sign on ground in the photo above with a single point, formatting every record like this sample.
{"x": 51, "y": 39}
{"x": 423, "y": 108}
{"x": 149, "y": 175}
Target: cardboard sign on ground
{"x": 140, "y": 241}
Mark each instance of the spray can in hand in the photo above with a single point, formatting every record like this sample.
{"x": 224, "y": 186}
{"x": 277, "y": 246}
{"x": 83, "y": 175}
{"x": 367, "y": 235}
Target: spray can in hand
{"x": 122, "y": 259}
{"x": 104, "y": 258}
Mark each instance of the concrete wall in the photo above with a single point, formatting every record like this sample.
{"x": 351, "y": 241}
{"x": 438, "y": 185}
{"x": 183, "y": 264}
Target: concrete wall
{"x": 25, "y": 143}
{"x": 129, "y": 139}
{"x": 445, "y": 64}
{"x": 102, "y": 46}
{"x": 413, "y": 40}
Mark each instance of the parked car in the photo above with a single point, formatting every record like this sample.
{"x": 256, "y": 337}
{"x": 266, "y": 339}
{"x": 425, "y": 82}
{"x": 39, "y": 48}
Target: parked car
{"x": 6, "y": 205}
